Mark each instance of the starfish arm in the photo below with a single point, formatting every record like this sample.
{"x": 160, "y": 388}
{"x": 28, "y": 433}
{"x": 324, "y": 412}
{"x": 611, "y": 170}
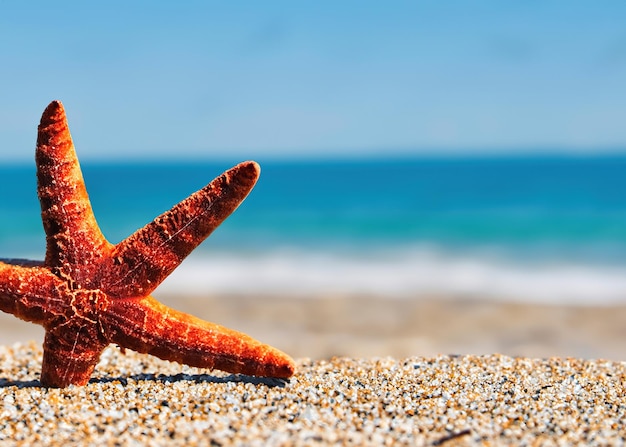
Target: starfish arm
{"x": 139, "y": 263}
{"x": 147, "y": 326}
{"x": 70, "y": 354}
{"x": 72, "y": 234}
{"x": 30, "y": 293}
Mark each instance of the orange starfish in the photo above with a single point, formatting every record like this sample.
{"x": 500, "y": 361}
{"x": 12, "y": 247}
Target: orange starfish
{"x": 89, "y": 293}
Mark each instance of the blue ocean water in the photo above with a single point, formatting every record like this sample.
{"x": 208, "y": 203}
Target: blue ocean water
{"x": 530, "y": 228}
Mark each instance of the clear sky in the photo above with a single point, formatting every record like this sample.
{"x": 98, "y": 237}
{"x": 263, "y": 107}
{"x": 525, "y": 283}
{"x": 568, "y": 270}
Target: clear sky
{"x": 298, "y": 78}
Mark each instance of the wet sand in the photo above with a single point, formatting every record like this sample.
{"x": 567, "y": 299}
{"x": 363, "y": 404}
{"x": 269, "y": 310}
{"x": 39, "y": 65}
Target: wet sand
{"x": 360, "y": 326}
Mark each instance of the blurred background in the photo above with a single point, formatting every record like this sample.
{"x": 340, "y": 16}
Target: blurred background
{"x": 437, "y": 177}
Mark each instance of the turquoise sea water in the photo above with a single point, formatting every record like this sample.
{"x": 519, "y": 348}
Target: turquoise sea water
{"x": 531, "y": 228}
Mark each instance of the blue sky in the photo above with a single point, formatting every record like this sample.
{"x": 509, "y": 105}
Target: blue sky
{"x": 290, "y": 79}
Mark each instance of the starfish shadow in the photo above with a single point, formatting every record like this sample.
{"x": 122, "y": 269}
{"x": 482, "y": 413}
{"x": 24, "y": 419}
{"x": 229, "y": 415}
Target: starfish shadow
{"x": 162, "y": 378}
{"x": 195, "y": 378}
{"x": 7, "y": 383}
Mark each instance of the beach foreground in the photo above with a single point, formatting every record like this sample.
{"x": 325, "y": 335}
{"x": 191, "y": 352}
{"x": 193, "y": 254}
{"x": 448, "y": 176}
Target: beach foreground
{"x": 442, "y": 400}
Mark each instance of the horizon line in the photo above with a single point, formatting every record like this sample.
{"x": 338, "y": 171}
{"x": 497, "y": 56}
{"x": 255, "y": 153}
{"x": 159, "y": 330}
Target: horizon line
{"x": 366, "y": 156}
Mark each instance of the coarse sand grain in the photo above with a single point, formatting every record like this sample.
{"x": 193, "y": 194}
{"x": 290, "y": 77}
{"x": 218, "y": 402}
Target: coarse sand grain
{"x": 136, "y": 399}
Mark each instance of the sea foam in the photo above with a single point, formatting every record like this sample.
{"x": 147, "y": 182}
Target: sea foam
{"x": 411, "y": 274}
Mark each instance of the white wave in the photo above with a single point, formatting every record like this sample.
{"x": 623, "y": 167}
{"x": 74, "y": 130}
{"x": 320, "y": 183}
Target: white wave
{"x": 410, "y": 273}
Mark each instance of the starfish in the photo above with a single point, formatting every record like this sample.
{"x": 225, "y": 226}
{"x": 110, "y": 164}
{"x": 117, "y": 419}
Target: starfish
{"x": 89, "y": 293}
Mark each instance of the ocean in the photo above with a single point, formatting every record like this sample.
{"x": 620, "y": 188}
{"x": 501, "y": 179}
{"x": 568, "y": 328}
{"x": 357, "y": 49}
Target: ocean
{"x": 528, "y": 228}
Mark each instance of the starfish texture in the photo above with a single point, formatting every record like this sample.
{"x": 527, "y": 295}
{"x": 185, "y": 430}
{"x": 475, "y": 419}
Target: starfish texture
{"x": 89, "y": 293}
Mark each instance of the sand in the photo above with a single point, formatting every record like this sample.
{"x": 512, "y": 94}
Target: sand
{"x": 366, "y": 326}
{"x": 445, "y": 400}
{"x": 418, "y": 371}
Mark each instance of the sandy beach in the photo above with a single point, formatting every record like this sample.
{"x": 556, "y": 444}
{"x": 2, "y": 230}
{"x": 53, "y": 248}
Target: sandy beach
{"x": 442, "y": 400}
{"x": 371, "y": 371}
{"x": 367, "y": 326}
